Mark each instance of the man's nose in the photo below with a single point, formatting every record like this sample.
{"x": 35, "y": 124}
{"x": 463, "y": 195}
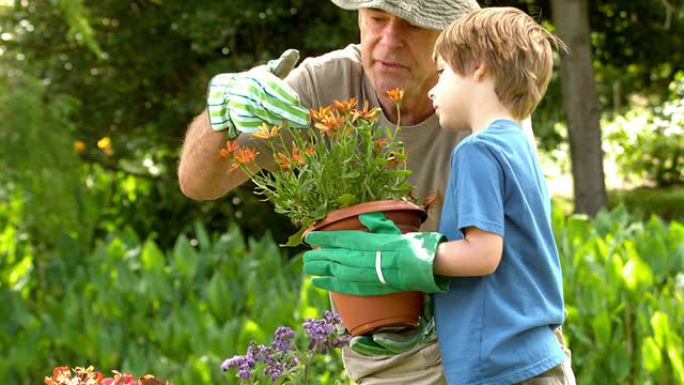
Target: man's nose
{"x": 393, "y": 34}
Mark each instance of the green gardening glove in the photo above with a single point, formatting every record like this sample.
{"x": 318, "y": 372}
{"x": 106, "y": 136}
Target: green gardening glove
{"x": 380, "y": 261}
{"x": 242, "y": 102}
{"x": 385, "y": 343}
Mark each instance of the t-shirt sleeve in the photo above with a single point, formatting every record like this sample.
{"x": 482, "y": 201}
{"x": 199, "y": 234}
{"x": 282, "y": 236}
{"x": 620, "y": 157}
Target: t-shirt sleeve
{"x": 478, "y": 188}
{"x": 300, "y": 79}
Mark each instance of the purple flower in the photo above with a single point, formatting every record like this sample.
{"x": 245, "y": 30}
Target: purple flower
{"x": 283, "y": 339}
{"x": 340, "y": 341}
{"x": 257, "y": 352}
{"x": 244, "y": 365}
{"x": 282, "y": 356}
{"x": 332, "y": 318}
{"x": 274, "y": 370}
{"x": 245, "y": 374}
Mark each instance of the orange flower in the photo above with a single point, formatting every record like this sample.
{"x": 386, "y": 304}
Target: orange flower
{"x": 309, "y": 151}
{"x": 227, "y": 151}
{"x": 365, "y": 113}
{"x": 245, "y": 155}
{"x": 379, "y": 144}
{"x": 395, "y": 95}
{"x": 149, "y": 379}
{"x": 330, "y": 124}
{"x": 79, "y": 146}
{"x": 283, "y": 162}
{"x": 321, "y": 113}
{"x": 265, "y": 133}
{"x": 297, "y": 156}
{"x": 262, "y": 133}
{"x": 345, "y": 106}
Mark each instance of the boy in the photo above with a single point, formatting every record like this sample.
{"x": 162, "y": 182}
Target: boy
{"x": 497, "y": 312}
{"x": 496, "y": 326}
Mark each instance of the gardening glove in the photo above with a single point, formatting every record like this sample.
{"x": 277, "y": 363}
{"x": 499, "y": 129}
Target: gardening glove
{"x": 242, "y": 102}
{"x": 385, "y": 343}
{"x": 380, "y": 261}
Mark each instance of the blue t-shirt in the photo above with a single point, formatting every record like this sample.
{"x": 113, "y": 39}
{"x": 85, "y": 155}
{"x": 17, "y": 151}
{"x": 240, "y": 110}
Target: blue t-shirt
{"x": 498, "y": 329}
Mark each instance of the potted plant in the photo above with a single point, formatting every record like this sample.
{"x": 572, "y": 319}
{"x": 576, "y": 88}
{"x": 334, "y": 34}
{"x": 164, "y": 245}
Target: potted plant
{"x": 328, "y": 175}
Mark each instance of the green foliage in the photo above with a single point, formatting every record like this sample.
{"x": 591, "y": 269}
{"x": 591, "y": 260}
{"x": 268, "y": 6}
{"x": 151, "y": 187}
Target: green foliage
{"x": 664, "y": 202}
{"x": 137, "y": 73}
{"x": 178, "y": 313}
{"x": 624, "y": 291}
{"x": 39, "y": 163}
{"x": 344, "y": 161}
{"x": 132, "y": 306}
{"x": 649, "y": 143}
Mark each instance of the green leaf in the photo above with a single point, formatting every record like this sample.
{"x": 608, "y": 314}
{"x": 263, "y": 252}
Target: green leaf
{"x": 636, "y": 273}
{"x": 295, "y": 239}
{"x": 152, "y": 257}
{"x": 651, "y": 356}
{"x": 674, "y": 353}
{"x": 185, "y": 257}
{"x": 661, "y": 328}
{"x": 346, "y": 200}
{"x": 602, "y": 329}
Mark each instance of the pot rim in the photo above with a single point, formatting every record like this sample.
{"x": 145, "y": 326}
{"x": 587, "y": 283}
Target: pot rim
{"x": 365, "y": 207}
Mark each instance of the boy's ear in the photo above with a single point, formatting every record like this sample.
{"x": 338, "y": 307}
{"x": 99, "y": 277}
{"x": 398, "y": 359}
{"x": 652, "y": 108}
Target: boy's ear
{"x": 480, "y": 72}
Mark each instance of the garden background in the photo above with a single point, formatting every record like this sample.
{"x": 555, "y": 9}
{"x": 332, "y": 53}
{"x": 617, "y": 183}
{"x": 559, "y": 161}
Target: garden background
{"x": 103, "y": 261}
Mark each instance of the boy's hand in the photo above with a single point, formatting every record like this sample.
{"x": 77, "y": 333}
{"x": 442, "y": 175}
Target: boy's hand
{"x": 381, "y": 261}
{"x": 241, "y": 102}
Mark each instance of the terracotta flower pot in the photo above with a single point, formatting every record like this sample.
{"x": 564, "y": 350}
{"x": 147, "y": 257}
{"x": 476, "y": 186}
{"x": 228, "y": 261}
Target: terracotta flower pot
{"x": 365, "y": 314}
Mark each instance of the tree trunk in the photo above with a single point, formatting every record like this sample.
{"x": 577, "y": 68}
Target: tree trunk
{"x": 571, "y": 18}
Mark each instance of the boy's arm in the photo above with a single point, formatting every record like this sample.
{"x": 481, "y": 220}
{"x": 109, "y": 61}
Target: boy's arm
{"x": 477, "y": 255}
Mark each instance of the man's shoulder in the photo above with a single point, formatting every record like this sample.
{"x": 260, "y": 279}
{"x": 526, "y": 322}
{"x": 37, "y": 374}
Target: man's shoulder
{"x": 348, "y": 56}
{"x": 336, "y": 75}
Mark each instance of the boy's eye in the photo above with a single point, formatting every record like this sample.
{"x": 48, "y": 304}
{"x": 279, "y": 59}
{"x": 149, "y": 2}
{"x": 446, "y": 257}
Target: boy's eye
{"x": 440, "y": 71}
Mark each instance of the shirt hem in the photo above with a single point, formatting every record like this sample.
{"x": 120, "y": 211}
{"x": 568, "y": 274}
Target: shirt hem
{"x": 522, "y": 374}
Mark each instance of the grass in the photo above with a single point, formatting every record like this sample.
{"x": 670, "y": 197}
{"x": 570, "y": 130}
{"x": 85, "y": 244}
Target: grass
{"x": 642, "y": 202}
{"x": 665, "y": 202}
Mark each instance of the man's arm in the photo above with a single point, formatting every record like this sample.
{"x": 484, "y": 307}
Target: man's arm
{"x": 202, "y": 173}
{"x": 239, "y": 104}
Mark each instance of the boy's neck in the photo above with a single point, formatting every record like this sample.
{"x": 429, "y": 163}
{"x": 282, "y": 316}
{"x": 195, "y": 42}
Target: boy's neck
{"x": 486, "y": 107}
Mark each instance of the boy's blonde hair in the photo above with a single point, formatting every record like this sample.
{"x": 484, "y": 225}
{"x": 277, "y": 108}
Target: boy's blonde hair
{"x": 513, "y": 48}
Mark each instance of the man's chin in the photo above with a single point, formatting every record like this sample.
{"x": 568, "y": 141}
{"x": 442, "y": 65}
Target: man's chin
{"x": 382, "y": 85}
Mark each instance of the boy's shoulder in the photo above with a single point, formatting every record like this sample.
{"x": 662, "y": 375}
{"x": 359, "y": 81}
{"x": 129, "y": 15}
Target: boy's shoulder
{"x": 487, "y": 138}
{"x": 498, "y": 135}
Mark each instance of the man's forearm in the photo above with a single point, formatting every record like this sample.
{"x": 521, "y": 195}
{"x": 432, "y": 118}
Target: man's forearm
{"x": 202, "y": 173}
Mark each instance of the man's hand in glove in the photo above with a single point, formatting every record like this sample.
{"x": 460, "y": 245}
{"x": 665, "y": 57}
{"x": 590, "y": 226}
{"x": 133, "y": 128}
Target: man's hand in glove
{"x": 380, "y": 261}
{"x": 241, "y": 102}
{"x": 384, "y": 343}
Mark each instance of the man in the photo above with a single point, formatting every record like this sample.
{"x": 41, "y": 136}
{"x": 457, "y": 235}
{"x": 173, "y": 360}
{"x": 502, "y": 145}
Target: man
{"x": 395, "y": 51}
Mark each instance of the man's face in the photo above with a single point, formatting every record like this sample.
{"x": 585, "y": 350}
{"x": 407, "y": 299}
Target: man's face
{"x": 396, "y": 54}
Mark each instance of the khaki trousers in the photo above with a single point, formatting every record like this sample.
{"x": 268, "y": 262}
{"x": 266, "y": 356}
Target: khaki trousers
{"x": 423, "y": 366}
{"x": 420, "y": 366}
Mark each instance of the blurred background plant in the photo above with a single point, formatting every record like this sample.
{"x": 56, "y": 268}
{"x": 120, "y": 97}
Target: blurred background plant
{"x": 104, "y": 262}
